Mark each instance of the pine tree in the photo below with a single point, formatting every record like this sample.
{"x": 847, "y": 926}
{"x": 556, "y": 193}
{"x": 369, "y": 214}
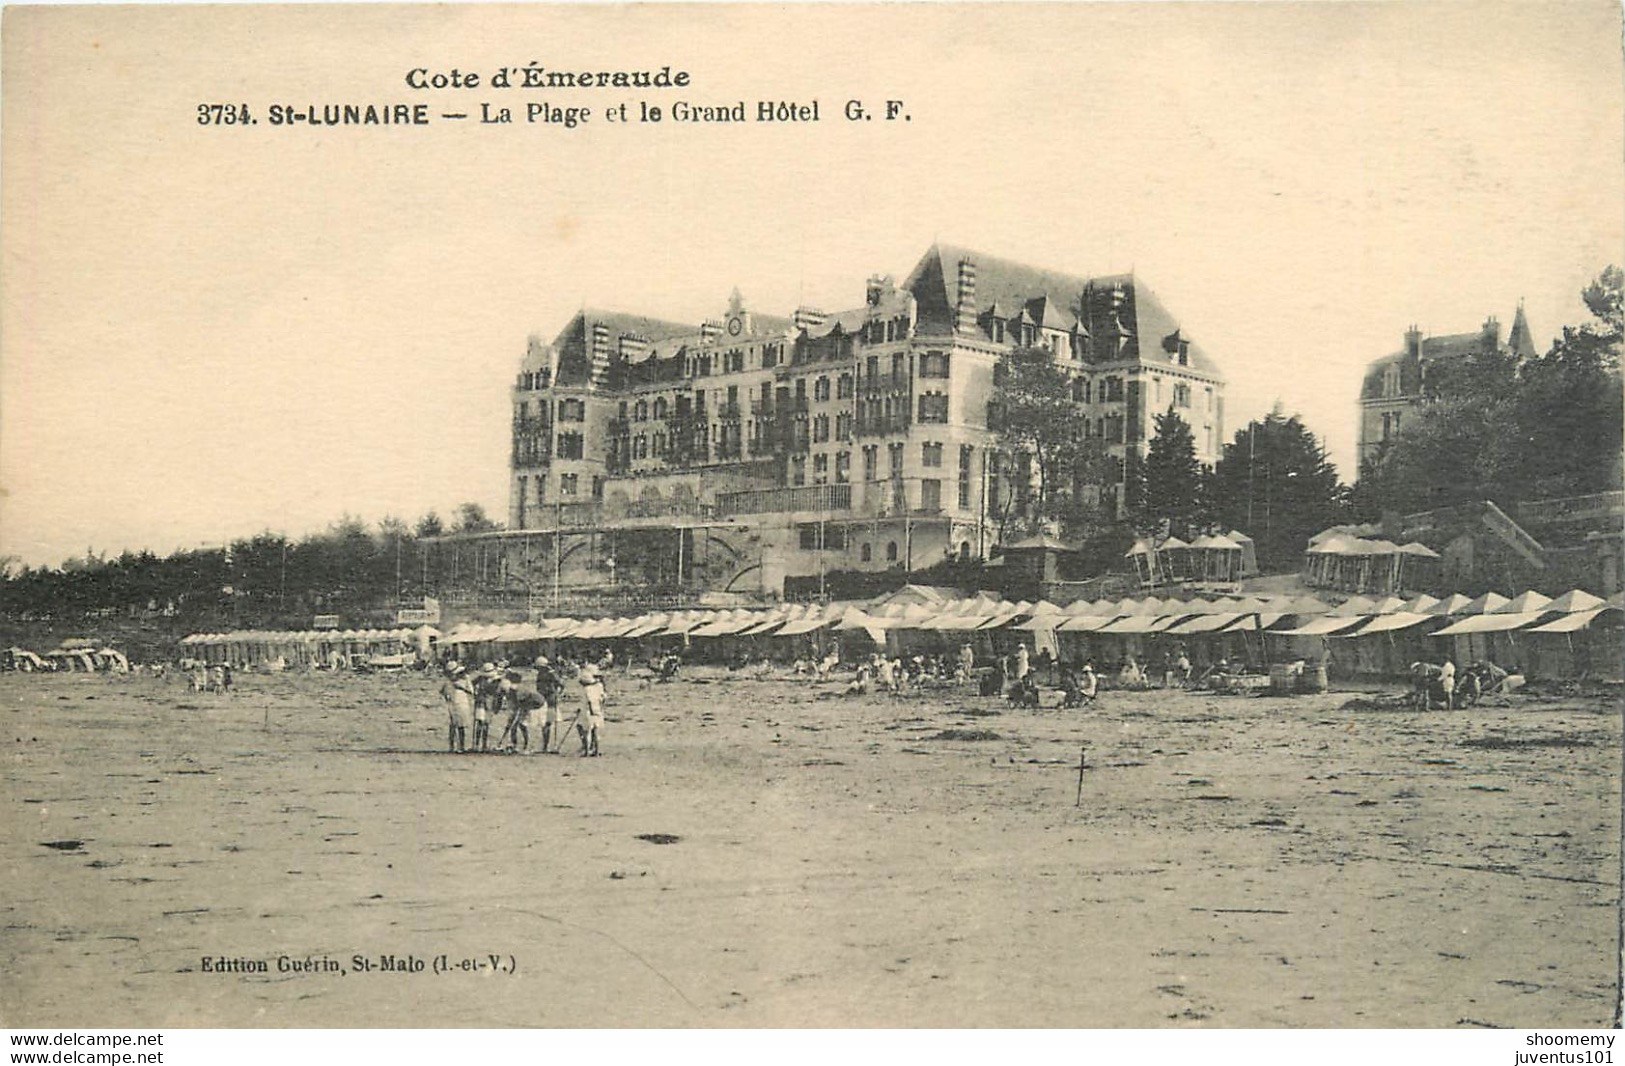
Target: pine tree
{"x": 1173, "y": 477}
{"x": 1274, "y": 483}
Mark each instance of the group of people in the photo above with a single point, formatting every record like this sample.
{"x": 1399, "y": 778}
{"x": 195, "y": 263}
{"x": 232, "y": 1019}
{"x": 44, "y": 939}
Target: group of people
{"x": 1430, "y": 682}
{"x": 476, "y": 698}
{"x": 201, "y": 677}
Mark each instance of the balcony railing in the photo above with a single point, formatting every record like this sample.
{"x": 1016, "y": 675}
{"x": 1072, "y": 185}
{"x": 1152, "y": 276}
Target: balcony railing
{"x": 891, "y": 498}
{"x": 795, "y": 498}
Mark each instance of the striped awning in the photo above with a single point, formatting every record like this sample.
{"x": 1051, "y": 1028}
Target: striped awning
{"x": 1491, "y": 623}
{"x": 1322, "y": 626}
{"x": 1572, "y": 623}
{"x": 1387, "y": 623}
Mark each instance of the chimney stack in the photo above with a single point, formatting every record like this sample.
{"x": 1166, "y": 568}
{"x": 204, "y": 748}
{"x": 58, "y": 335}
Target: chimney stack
{"x": 965, "y": 304}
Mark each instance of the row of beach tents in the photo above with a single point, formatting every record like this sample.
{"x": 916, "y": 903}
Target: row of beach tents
{"x": 1359, "y": 635}
{"x": 251, "y": 647}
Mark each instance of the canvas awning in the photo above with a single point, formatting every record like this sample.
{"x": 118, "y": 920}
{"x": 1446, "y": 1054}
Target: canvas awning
{"x": 1087, "y": 623}
{"x": 802, "y": 625}
{"x": 1388, "y": 623}
{"x": 1490, "y": 623}
{"x": 1573, "y": 623}
{"x": 1324, "y": 625}
{"x": 1203, "y": 623}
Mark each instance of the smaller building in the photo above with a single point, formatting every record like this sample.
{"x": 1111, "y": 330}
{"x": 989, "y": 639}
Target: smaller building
{"x": 1397, "y": 386}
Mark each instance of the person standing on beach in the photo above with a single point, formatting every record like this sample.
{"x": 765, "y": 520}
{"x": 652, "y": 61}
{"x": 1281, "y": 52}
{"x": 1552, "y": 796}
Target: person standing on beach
{"x": 549, "y": 688}
{"x": 486, "y": 693}
{"x": 458, "y": 692}
{"x": 590, "y": 720}
{"x": 1447, "y": 682}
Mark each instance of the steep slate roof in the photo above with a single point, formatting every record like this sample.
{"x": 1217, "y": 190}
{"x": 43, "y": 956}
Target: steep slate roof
{"x": 574, "y": 342}
{"x": 934, "y": 282}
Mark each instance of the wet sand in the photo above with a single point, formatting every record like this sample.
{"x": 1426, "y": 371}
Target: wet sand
{"x": 844, "y": 862}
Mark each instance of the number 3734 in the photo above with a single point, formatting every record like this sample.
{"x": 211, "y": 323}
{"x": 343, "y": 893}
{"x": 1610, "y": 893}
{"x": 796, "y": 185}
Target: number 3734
{"x": 224, "y": 115}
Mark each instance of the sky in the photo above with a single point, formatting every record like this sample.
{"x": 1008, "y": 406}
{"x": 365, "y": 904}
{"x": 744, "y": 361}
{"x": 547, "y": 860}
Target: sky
{"x": 206, "y": 331}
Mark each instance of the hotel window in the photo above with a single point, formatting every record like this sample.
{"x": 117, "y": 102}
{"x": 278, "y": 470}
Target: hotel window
{"x": 843, "y": 387}
{"x": 866, "y": 553}
{"x": 996, "y": 328}
{"x": 821, "y": 389}
{"x": 1113, "y": 389}
{"x": 568, "y": 484}
{"x": 931, "y": 454}
{"x": 898, "y": 369}
{"x": 843, "y": 467}
{"x": 820, "y": 428}
{"x": 895, "y": 457}
{"x": 891, "y": 551}
{"x": 1390, "y": 381}
{"x": 820, "y": 468}
{"x": 843, "y": 425}
{"x": 966, "y": 457}
{"x": 798, "y": 470}
{"x": 871, "y": 461}
{"x": 934, "y": 365}
{"x": 871, "y": 368}
{"x": 569, "y": 446}
{"x": 660, "y": 407}
{"x": 930, "y": 495}
{"x": 572, "y": 411}
{"x": 641, "y": 411}
{"x": 1182, "y": 395}
{"x": 934, "y": 408}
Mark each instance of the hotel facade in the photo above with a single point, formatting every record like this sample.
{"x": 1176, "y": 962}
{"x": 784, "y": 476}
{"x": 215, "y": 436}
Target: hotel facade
{"x": 754, "y": 452}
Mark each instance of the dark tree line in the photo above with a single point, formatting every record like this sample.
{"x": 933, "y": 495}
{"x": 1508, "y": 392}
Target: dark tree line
{"x": 265, "y": 580}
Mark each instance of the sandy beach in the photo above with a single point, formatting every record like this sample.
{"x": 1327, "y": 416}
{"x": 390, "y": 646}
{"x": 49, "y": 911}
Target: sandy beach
{"x": 763, "y": 852}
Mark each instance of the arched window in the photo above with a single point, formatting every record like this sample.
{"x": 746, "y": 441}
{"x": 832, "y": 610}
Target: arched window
{"x": 964, "y": 551}
{"x": 891, "y": 551}
{"x": 866, "y": 553}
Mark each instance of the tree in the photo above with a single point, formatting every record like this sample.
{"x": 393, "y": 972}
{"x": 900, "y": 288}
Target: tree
{"x": 471, "y": 518}
{"x": 1037, "y": 416}
{"x": 429, "y": 526}
{"x": 1274, "y": 483}
{"x": 1568, "y": 403}
{"x": 1172, "y": 476}
{"x": 1505, "y": 430}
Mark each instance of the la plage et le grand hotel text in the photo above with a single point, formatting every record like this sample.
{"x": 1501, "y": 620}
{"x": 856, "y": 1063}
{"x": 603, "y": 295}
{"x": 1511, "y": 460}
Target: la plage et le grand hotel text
{"x": 513, "y": 101}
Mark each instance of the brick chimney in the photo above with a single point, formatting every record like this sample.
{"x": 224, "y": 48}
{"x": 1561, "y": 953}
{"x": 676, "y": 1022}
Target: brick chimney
{"x": 965, "y": 302}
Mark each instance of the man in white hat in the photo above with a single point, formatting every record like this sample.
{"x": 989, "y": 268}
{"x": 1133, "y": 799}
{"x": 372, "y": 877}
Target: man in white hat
{"x": 591, "y": 719}
{"x": 549, "y": 688}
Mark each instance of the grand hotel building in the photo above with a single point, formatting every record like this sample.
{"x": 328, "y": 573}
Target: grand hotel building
{"x": 775, "y": 448}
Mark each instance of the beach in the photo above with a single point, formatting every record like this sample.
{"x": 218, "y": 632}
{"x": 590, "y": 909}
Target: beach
{"x": 762, "y": 851}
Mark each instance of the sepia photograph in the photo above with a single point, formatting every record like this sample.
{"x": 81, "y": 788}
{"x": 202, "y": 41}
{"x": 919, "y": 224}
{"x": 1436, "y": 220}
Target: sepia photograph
{"x": 813, "y": 516}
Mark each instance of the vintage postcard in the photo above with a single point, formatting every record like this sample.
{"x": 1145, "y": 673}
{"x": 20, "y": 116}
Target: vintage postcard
{"x": 812, "y": 515}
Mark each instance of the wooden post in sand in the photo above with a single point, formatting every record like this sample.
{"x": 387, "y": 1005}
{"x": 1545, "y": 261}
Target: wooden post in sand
{"x": 1081, "y": 754}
